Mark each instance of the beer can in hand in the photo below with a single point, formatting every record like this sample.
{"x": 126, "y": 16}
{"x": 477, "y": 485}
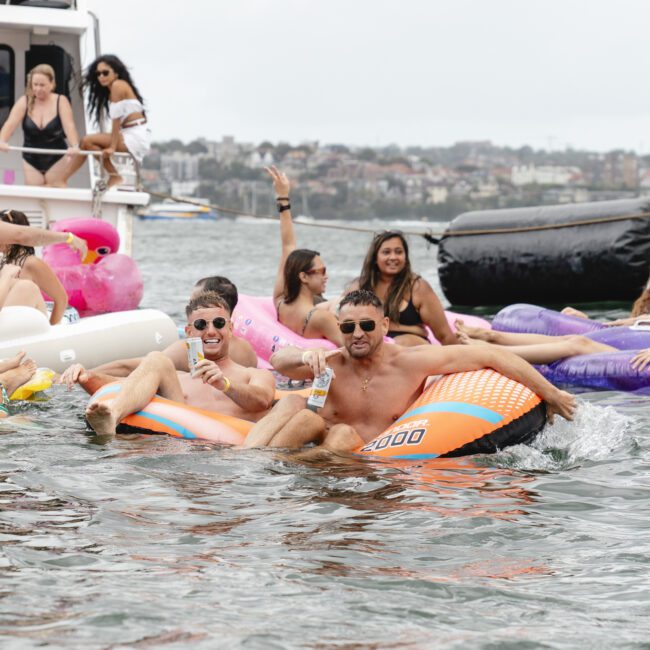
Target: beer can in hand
{"x": 194, "y": 352}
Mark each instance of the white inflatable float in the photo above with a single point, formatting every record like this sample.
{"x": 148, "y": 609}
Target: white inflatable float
{"x": 90, "y": 341}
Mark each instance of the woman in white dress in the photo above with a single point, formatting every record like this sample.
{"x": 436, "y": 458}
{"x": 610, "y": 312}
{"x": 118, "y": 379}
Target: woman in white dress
{"x": 112, "y": 91}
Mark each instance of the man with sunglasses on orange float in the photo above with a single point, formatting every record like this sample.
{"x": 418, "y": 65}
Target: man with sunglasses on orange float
{"x": 218, "y": 384}
{"x": 375, "y": 383}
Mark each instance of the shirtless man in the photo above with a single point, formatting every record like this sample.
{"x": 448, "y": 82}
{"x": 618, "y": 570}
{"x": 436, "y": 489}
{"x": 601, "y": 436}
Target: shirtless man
{"x": 374, "y": 383}
{"x": 240, "y": 350}
{"x": 219, "y": 385}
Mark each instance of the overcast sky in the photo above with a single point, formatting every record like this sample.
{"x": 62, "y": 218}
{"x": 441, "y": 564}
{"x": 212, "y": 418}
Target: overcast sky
{"x": 549, "y": 73}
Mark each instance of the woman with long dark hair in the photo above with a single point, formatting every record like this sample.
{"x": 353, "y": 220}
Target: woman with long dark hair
{"x": 301, "y": 278}
{"x": 112, "y": 93}
{"x": 27, "y": 275}
{"x": 409, "y": 301}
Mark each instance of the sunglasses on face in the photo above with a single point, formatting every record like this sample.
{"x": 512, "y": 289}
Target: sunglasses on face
{"x": 200, "y": 323}
{"x": 321, "y": 271}
{"x": 348, "y": 326}
{"x": 102, "y": 73}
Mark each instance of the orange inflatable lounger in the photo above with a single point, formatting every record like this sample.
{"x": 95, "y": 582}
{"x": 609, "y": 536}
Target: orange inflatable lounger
{"x": 476, "y": 412}
{"x": 179, "y": 420}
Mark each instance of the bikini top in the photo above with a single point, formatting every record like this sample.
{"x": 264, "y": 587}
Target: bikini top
{"x": 51, "y": 134}
{"x": 409, "y": 315}
{"x": 307, "y": 318}
{"x": 125, "y": 107}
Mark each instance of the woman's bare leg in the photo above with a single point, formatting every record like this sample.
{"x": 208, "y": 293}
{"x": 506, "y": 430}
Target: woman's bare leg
{"x": 567, "y": 346}
{"x": 14, "y": 362}
{"x": 57, "y": 175}
{"x": 32, "y": 175}
{"x": 155, "y": 374}
{"x": 26, "y": 294}
{"x": 503, "y": 338}
{"x": 16, "y": 377}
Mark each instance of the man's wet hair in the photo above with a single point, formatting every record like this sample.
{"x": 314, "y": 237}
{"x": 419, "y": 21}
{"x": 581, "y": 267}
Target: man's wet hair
{"x": 205, "y": 300}
{"x": 361, "y": 298}
{"x": 221, "y": 285}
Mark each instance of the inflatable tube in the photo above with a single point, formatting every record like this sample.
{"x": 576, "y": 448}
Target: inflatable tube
{"x": 476, "y": 412}
{"x": 42, "y": 380}
{"x": 94, "y": 340}
{"x": 532, "y": 319}
{"x": 255, "y": 320}
{"x": 567, "y": 253}
{"x": 179, "y": 420}
{"x": 106, "y": 281}
{"x": 19, "y": 322}
{"x": 457, "y": 415}
{"x": 607, "y": 371}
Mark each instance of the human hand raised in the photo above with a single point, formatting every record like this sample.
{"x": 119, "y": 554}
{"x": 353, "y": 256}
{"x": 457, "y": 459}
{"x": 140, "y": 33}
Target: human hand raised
{"x": 316, "y": 359}
{"x": 78, "y": 244}
{"x": 281, "y": 183}
{"x": 562, "y": 403}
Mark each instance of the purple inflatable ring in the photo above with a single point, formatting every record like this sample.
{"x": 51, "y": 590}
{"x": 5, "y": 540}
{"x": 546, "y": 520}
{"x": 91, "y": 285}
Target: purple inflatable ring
{"x": 606, "y": 371}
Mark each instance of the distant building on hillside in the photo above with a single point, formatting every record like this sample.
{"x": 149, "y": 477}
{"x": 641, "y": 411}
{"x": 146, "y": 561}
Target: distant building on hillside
{"x": 543, "y": 175}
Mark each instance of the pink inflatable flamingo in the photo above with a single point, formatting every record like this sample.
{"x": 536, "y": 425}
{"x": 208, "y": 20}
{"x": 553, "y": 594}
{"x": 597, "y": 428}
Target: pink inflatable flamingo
{"x": 104, "y": 281}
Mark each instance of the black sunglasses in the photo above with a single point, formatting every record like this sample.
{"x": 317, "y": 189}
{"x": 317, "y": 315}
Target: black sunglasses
{"x": 200, "y": 323}
{"x": 102, "y": 73}
{"x": 366, "y": 324}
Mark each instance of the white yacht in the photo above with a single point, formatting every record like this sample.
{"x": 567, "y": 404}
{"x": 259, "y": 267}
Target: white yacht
{"x": 64, "y": 34}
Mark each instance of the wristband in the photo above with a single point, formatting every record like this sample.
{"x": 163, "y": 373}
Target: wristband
{"x": 281, "y": 198}
{"x": 69, "y": 239}
{"x": 226, "y": 385}
{"x": 282, "y": 208}
{"x": 304, "y": 354}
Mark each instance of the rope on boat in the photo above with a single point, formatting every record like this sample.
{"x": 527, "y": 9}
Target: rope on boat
{"x": 430, "y": 236}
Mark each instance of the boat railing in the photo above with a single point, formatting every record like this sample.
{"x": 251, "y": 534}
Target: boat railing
{"x": 43, "y": 4}
{"x": 128, "y": 160}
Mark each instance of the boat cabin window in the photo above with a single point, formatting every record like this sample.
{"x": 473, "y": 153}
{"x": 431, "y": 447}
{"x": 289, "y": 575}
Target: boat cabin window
{"x": 7, "y": 78}
{"x": 58, "y": 58}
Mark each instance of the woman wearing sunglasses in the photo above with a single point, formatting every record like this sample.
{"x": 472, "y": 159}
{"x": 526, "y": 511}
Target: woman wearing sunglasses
{"x": 111, "y": 91}
{"x": 47, "y": 122}
{"x": 409, "y": 301}
{"x": 301, "y": 278}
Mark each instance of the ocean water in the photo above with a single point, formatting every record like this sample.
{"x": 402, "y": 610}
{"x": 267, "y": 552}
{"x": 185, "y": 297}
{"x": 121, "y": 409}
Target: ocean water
{"x": 152, "y": 542}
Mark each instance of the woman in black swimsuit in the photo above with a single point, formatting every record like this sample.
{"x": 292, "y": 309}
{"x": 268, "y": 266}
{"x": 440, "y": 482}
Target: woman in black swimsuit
{"x": 47, "y": 124}
{"x": 301, "y": 278}
{"x": 409, "y": 301}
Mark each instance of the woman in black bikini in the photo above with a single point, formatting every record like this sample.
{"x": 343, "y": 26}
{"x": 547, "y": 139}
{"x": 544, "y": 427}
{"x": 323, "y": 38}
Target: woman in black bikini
{"x": 409, "y": 301}
{"x": 301, "y": 278}
{"x": 47, "y": 124}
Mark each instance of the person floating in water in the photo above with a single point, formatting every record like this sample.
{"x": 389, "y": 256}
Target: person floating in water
{"x": 219, "y": 384}
{"x": 374, "y": 383}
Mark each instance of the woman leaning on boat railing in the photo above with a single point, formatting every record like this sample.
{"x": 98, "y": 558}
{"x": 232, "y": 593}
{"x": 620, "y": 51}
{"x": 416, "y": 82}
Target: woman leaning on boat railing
{"x": 52, "y": 152}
